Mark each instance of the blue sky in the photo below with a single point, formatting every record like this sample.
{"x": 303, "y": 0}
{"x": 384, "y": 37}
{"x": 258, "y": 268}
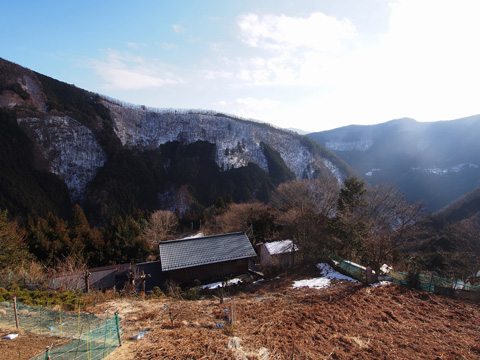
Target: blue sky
{"x": 312, "y": 65}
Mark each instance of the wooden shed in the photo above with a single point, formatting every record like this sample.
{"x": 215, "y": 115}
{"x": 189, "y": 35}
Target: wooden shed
{"x": 281, "y": 254}
{"x": 206, "y": 258}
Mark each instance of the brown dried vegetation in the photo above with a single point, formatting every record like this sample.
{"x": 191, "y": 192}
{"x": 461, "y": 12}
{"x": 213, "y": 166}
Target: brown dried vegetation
{"x": 347, "y": 321}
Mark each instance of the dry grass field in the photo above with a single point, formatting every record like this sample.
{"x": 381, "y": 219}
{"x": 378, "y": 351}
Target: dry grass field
{"x": 273, "y": 320}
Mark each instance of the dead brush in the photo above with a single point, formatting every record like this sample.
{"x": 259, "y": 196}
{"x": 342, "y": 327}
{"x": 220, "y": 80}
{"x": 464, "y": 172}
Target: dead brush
{"x": 150, "y": 315}
{"x": 229, "y": 330}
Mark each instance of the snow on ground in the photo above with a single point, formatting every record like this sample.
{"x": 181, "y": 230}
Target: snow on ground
{"x": 328, "y": 274}
{"x": 221, "y": 284}
{"x": 381, "y": 283}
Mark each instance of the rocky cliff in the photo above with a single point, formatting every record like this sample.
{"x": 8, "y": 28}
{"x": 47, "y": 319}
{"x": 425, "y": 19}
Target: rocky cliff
{"x": 77, "y": 133}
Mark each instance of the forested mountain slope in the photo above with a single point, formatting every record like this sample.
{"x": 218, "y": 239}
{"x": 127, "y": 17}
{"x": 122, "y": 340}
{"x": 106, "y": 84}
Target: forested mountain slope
{"x": 437, "y": 162}
{"x": 111, "y": 157}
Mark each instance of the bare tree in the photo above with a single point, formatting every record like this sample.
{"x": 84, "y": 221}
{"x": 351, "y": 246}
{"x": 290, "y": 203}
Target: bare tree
{"x": 256, "y": 219}
{"x": 305, "y": 209}
{"x": 161, "y": 224}
{"x": 466, "y": 237}
{"x": 318, "y": 196}
{"x": 376, "y": 222}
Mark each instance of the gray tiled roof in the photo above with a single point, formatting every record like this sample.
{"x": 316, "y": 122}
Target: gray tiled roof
{"x": 185, "y": 253}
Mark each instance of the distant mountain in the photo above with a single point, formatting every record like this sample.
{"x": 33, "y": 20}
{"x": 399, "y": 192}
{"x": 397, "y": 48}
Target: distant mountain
{"x": 61, "y": 144}
{"x": 463, "y": 208}
{"x": 437, "y": 162}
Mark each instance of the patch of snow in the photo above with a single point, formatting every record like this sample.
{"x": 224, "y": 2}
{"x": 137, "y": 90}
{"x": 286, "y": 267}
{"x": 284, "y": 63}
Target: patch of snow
{"x": 328, "y": 274}
{"x": 439, "y": 171}
{"x": 381, "y": 283}
{"x": 199, "y": 235}
{"x": 362, "y": 145}
{"x": 70, "y": 148}
{"x": 280, "y": 247}
{"x": 370, "y": 173}
{"x": 219, "y": 284}
{"x": 327, "y": 271}
{"x": 333, "y": 169}
{"x": 316, "y": 283}
{"x": 386, "y": 268}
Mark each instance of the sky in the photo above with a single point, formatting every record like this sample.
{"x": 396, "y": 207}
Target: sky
{"x": 307, "y": 64}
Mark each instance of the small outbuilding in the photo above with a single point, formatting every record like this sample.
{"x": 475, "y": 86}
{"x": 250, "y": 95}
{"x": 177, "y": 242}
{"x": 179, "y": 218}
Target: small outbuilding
{"x": 281, "y": 254}
{"x": 206, "y": 258}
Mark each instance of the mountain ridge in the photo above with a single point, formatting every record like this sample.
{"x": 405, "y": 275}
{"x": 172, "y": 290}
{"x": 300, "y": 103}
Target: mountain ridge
{"x": 434, "y": 161}
{"x": 77, "y": 133}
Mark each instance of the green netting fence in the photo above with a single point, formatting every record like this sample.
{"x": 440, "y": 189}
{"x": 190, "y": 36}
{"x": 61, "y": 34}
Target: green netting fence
{"x": 86, "y": 336}
{"x": 431, "y": 283}
{"x": 91, "y": 345}
{"x": 426, "y": 282}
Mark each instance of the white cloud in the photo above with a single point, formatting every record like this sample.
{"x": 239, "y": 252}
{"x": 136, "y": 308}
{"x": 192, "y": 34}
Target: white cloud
{"x": 217, "y": 74}
{"x": 425, "y": 67}
{"x": 280, "y": 32}
{"x": 124, "y": 71}
{"x": 178, "y": 28}
{"x": 296, "y": 49}
{"x": 250, "y": 107}
{"x": 170, "y": 45}
{"x": 321, "y": 72}
{"x": 135, "y": 46}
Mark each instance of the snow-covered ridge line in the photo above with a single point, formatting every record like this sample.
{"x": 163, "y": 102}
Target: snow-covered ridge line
{"x": 238, "y": 142}
{"x": 180, "y": 111}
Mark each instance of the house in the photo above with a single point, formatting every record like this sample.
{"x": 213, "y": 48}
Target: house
{"x": 154, "y": 272}
{"x": 206, "y": 258}
{"x": 98, "y": 279}
{"x": 281, "y": 254}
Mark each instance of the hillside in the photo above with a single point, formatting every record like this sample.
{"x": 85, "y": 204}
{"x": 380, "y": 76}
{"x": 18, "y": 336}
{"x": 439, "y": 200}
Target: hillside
{"x": 463, "y": 208}
{"x": 272, "y": 320}
{"x": 113, "y": 157}
{"x": 436, "y": 162}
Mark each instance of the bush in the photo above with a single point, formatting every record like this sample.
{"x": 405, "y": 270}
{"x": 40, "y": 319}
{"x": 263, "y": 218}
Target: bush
{"x": 157, "y": 292}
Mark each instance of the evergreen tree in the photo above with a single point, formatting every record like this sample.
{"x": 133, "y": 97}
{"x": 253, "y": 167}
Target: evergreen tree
{"x": 13, "y": 249}
{"x": 349, "y": 224}
{"x": 124, "y": 242}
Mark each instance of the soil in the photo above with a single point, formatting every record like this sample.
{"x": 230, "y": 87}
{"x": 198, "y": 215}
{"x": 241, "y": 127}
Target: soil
{"x": 272, "y": 320}
{"x": 25, "y": 346}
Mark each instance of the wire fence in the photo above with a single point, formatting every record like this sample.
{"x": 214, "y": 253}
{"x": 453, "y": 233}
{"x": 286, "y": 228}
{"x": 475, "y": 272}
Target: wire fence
{"x": 86, "y": 336}
{"x": 425, "y": 282}
{"x": 431, "y": 283}
{"x": 11, "y": 278}
{"x": 90, "y": 345}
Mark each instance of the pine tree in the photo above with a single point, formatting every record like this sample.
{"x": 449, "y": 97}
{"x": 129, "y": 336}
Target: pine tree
{"x": 13, "y": 249}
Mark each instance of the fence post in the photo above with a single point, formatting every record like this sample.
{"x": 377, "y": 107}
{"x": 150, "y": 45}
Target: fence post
{"x": 47, "y": 353}
{"x": 15, "y": 310}
{"x": 118, "y": 330}
{"x": 430, "y": 286}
